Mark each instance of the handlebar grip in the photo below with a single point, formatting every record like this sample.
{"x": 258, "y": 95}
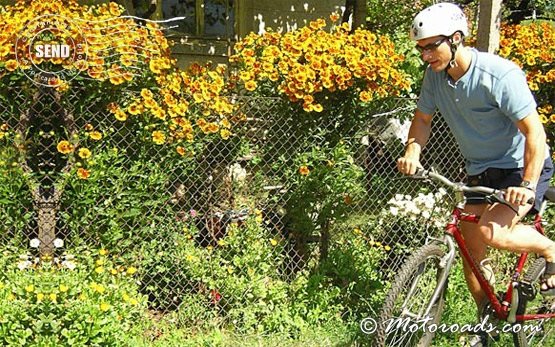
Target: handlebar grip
{"x": 421, "y": 172}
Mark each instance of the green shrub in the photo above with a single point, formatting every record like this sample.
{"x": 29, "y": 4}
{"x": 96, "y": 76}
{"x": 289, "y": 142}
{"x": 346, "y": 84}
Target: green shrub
{"x": 89, "y": 299}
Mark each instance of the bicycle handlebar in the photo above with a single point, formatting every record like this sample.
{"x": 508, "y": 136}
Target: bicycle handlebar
{"x": 490, "y": 195}
{"x": 457, "y": 186}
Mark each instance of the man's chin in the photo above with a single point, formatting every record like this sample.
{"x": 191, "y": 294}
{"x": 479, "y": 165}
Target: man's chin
{"x": 437, "y": 66}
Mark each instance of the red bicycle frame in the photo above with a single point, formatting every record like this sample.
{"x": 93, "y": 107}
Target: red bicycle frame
{"x": 501, "y": 309}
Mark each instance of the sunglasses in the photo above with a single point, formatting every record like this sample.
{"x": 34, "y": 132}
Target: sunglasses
{"x": 431, "y": 46}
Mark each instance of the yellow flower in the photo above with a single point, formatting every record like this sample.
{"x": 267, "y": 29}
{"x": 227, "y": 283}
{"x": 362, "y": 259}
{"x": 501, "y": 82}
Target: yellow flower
{"x": 102, "y": 252}
{"x": 99, "y": 269}
{"x": 104, "y": 307}
{"x": 30, "y": 288}
{"x": 65, "y": 147}
{"x": 131, "y": 270}
{"x": 387, "y": 248}
{"x": 99, "y": 288}
{"x": 120, "y": 115}
{"x": 95, "y": 135}
{"x": 11, "y": 65}
{"x": 84, "y": 153}
{"x": 53, "y": 297}
{"x": 273, "y": 242}
{"x": 250, "y": 85}
{"x": 158, "y": 137}
{"x": 225, "y": 134}
{"x": 63, "y": 288}
{"x": 40, "y": 296}
{"x": 135, "y": 108}
{"x": 147, "y": 94}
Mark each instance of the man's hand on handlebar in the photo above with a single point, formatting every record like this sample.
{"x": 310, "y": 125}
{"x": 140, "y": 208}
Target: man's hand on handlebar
{"x": 408, "y": 165}
{"x": 519, "y": 196}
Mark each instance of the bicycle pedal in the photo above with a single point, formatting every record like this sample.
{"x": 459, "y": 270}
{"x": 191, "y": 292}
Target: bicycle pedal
{"x": 527, "y": 291}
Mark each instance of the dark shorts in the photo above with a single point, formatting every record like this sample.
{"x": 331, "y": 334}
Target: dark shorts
{"x": 504, "y": 178}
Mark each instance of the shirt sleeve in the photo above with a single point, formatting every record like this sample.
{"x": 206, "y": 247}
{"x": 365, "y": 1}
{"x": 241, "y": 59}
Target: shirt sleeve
{"x": 513, "y": 95}
{"x": 426, "y": 101}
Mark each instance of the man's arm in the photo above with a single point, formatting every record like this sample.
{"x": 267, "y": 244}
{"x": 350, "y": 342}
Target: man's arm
{"x": 419, "y": 133}
{"x": 534, "y": 157}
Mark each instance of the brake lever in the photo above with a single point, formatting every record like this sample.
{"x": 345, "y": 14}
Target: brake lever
{"x": 499, "y": 197}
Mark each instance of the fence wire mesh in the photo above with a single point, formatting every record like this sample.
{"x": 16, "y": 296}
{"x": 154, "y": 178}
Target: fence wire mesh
{"x": 74, "y": 177}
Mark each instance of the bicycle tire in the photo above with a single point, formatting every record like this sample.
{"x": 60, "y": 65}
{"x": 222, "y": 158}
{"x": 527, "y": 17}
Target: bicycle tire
{"x": 536, "y": 332}
{"x": 414, "y": 281}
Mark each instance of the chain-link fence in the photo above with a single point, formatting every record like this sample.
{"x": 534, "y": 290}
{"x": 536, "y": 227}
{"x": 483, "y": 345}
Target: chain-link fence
{"x": 73, "y": 176}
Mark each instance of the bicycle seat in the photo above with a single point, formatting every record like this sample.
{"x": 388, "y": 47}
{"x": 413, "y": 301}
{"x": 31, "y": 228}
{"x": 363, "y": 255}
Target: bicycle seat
{"x": 550, "y": 194}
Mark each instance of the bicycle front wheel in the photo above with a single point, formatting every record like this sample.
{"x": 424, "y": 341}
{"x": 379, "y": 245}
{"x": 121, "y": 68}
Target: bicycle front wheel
{"x": 403, "y": 320}
{"x": 539, "y": 332}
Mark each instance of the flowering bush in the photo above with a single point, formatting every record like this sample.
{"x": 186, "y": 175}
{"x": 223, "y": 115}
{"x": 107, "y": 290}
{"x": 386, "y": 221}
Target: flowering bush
{"x": 532, "y": 47}
{"x": 309, "y": 65}
{"x": 89, "y": 299}
{"x": 422, "y": 207}
{"x": 408, "y": 221}
{"x": 324, "y": 185}
{"x": 122, "y": 67}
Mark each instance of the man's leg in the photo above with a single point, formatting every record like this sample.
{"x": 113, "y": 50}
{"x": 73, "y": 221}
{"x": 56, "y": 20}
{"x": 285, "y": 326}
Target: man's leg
{"x": 499, "y": 228}
{"x": 477, "y": 249}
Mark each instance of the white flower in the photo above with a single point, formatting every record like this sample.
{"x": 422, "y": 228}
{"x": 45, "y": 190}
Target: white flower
{"x": 69, "y": 264}
{"x": 58, "y": 243}
{"x": 22, "y": 265}
{"x": 426, "y": 214}
{"x": 399, "y": 197}
{"x": 34, "y": 243}
{"x": 394, "y": 211}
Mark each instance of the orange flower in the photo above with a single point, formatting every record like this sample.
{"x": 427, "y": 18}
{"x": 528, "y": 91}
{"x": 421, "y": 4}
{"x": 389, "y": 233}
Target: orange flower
{"x": 304, "y": 170}
{"x": 83, "y": 173}
{"x": 181, "y": 150}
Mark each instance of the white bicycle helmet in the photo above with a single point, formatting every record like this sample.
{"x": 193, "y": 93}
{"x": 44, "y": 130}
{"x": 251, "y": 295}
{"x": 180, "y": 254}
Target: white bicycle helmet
{"x": 443, "y": 19}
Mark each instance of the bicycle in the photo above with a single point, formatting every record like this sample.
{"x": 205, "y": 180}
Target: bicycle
{"x": 413, "y": 306}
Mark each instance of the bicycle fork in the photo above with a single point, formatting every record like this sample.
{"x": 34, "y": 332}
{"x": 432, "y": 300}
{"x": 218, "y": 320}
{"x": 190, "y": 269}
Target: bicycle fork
{"x": 445, "y": 263}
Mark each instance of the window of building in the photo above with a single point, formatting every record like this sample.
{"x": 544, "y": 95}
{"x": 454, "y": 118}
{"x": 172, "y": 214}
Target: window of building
{"x": 203, "y": 18}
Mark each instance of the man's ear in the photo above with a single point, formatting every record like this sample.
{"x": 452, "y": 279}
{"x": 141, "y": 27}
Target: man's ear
{"x": 457, "y": 38}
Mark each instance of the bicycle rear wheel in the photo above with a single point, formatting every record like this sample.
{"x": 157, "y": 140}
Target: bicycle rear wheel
{"x": 536, "y": 332}
{"x": 403, "y": 320}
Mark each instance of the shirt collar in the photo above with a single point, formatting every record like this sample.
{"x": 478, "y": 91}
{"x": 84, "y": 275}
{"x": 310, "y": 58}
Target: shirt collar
{"x": 464, "y": 78}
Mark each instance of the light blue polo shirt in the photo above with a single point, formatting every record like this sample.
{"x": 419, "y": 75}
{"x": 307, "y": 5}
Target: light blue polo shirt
{"x": 481, "y": 109}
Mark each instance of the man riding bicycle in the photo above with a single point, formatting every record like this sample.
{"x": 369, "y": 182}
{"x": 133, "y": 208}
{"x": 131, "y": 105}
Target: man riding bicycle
{"x": 490, "y": 110}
